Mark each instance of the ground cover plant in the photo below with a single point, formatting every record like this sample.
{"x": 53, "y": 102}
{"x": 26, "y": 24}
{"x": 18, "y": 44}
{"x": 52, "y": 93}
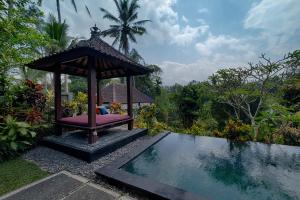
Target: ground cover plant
{"x": 17, "y": 173}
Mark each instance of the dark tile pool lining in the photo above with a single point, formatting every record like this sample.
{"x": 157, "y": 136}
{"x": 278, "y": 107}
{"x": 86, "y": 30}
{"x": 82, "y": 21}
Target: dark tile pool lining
{"x": 151, "y": 188}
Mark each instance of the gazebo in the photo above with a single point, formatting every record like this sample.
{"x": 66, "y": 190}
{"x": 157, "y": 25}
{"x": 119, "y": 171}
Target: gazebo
{"x": 95, "y": 60}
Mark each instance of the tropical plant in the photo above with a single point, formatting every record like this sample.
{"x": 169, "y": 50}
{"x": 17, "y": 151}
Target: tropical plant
{"x": 58, "y": 8}
{"x": 203, "y": 127}
{"x": 126, "y": 27}
{"x": 15, "y": 137}
{"x": 20, "y": 37}
{"x": 57, "y": 32}
{"x": 247, "y": 89}
{"x": 237, "y": 130}
{"x": 81, "y": 101}
{"x": 116, "y": 108}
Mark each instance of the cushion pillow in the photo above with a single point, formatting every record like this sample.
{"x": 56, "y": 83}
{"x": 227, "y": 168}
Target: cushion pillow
{"x": 103, "y": 110}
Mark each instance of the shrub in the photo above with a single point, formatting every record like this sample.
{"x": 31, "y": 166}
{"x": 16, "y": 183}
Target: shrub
{"x": 279, "y": 125}
{"x": 81, "y": 101}
{"x": 146, "y": 118}
{"x": 237, "y": 130}
{"x": 203, "y": 127}
{"x": 15, "y": 137}
{"x": 116, "y": 108}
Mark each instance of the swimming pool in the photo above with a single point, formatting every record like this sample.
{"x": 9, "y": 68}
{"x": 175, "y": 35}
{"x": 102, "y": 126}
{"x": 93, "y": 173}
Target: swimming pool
{"x": 215, "y": 168}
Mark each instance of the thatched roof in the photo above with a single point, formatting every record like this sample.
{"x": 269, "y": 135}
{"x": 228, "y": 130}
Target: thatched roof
{"x": 117, "y": 93}
{"x": 109, "y": 62}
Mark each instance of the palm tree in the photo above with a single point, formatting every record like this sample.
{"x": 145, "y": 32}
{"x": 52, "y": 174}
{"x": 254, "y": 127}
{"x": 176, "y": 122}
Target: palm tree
{"x": 57, "y": 32}
{"x": 126, "y": 27}
{"x": 58, "y": 8}
{"x": 60, "y": 21}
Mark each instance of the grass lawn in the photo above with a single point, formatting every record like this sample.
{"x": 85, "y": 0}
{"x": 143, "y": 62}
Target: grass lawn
{"x": 17, "y": 173}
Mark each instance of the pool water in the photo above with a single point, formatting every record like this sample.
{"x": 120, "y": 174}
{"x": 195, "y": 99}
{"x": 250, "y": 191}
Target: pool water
{"x": 218, "y": 169}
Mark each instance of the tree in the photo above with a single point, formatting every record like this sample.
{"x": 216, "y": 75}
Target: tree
{"x": 187, "y": 104}
{"x": 20, "y": 38}
{"x": 57, "y": 32}
{"x": 126, "y": 27}
{"x": 60, "y": 26}
{"x": 150, "y": 84}
{"x": 58, "y": 8}
{"x": 246, "y": 90}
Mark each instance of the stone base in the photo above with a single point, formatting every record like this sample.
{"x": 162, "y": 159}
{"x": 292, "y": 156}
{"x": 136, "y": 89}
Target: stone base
{"x": 76, "y": 144}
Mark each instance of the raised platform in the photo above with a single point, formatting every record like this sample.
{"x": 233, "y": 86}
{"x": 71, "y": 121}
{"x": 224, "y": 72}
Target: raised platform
{"x": 76, "y": 144}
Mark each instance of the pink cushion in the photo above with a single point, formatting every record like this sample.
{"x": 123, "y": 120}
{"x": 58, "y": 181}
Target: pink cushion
{"x": 82, "y": 120}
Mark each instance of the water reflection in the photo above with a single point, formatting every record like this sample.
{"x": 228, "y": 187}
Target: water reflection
{"x": 232, "y": 170}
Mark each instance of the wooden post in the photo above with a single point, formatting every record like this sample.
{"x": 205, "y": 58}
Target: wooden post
{"x": 57, "y": 100}
{"x": 129, "y": 101}
{"x": 99, "y": 97}
{"x": 92, "y": 81}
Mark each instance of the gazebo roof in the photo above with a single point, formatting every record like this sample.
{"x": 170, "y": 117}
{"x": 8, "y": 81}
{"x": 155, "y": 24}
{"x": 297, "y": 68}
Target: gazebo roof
{"x": 109, "y": 62}
{"x": 117, "y": 93}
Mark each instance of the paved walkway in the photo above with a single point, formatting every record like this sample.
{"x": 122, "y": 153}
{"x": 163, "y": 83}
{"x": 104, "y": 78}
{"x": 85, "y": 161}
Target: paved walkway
{"x": 63, "y": 186}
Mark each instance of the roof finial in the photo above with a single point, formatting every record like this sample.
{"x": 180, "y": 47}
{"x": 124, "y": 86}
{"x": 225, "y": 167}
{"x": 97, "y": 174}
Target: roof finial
{"x": 95, "y": 31}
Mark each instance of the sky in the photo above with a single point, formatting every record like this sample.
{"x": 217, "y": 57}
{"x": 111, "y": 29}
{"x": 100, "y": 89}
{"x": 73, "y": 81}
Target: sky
{"x": 192, "y": 39}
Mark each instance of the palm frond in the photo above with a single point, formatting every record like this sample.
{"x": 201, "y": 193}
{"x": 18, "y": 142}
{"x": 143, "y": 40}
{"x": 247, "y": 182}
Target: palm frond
{"x": 132, "y": 17}
{"x": 117, "y": 38}
{"x": 141, "y": 22}
{"x": 88, "y": 11}
{"x": 133, "y": 7}
{"x": 74, "y": 5}
{"x": 139, "y": 30}
{"x": 132, "y": 37}
{"x": 108, "y": 15}
{"x": 112, "y": 32}
{"x": 117, "y": 3}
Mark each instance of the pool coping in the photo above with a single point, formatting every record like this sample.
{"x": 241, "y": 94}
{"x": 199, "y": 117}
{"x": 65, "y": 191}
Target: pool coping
{"x": 151, "y": 188}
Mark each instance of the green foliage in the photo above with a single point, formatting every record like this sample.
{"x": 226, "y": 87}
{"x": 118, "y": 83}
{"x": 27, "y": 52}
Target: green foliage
{"x": 78, "y": 84}
{"x": 126, "y": 27}
{"x": 205, "y": 127}
{"x": 57, "y": 32}
{"x": 278, "y": 124}
{"x": 146, "y": 118}
{"x": 188, "y": 105}
{"x": 150, "y": 84}
{"x": 15, "y": 137}
{"x": 77, "y": 106}
{"x": 237, "y": 130}
{"x": 20, "y": 38}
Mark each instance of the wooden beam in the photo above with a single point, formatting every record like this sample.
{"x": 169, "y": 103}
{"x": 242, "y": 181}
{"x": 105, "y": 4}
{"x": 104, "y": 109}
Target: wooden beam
{"x": 99, "y": 96}
{"x": 129, "y": 101}
{"x": 57, "y": 95}
{"x": 92, "y": 80}
{"x": 57, "y": 100}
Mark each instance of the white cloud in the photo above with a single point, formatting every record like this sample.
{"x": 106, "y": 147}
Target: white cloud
{"x": 203, "y": 10}
{"x": 216, "y": 52}
{"x": 278, "y": 22}
{"x": 165, "y": 25}
{"x": 185, "y": 19}
{"x": 222, "y": 43}
{"x": 200, "y": 70}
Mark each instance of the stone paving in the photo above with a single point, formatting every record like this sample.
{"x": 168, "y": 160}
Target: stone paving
{"x": 64, "y": 186}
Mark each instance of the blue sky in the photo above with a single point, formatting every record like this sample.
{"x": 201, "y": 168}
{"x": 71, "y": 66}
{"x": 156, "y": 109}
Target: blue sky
{"x": 191, "y": 39}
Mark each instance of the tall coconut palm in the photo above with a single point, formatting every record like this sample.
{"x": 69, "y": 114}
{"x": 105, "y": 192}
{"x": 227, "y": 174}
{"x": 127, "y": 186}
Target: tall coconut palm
{"x": 126, "y": 27}
{"x": 57, "y": 32}
{"x": 58, "y": 8}
{"x": 60, "y": 21}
